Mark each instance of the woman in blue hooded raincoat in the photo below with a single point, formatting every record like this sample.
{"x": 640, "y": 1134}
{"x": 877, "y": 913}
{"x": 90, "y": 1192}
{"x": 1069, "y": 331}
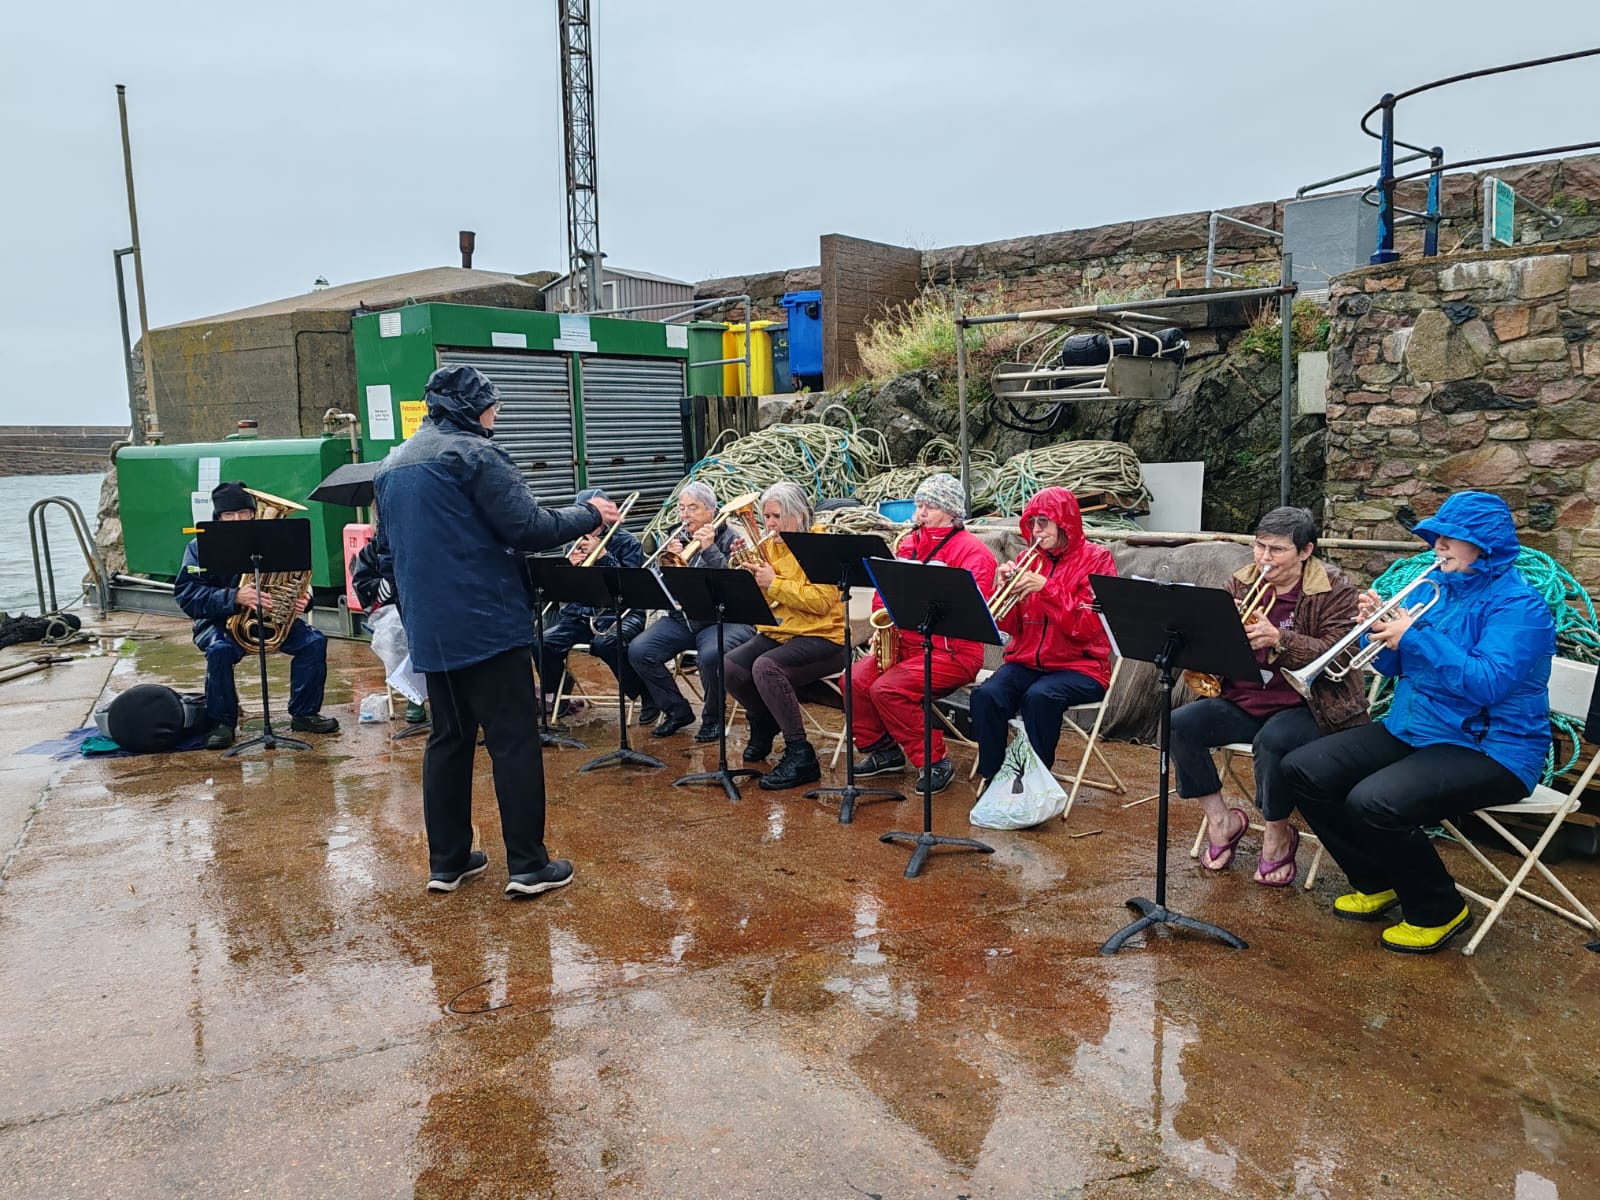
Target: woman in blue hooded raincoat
{"x": 1469, "y": 727}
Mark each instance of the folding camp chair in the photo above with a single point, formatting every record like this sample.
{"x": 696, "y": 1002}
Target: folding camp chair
{"x": 1572, "y": 690}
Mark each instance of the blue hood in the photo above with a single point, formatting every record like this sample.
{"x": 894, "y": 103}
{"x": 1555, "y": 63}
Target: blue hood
{"x": 458, "y": 395}
{"x": 1482, "y": 519}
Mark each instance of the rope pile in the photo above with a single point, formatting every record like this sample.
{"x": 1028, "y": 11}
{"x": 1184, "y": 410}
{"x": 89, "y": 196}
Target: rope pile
{"x": 832, "y": 460}
{"x": 1095, "y": 472}
{"x": 1577, "y": 631}
{"x": 937, "y": 454}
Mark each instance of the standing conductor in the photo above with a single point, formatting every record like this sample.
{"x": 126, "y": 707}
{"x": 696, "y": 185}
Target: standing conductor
{"x": 457, "y": 518}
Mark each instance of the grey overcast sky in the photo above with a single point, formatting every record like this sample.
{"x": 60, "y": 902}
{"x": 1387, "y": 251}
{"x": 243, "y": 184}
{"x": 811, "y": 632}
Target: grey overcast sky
{"x": 274, "y": 143}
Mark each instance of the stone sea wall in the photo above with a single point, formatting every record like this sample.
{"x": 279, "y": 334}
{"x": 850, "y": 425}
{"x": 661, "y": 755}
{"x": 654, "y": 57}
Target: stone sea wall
{"x": 1477, "y": 371}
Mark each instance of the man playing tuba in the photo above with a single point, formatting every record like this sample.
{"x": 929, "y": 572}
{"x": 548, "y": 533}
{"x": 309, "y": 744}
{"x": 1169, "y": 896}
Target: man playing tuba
{"x": 211, "y": 600}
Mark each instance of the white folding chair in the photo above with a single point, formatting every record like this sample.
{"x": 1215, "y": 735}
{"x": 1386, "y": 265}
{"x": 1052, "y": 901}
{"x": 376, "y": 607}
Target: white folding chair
{"x": 1572, "y": 685}
{"x": 1229, "y": 771}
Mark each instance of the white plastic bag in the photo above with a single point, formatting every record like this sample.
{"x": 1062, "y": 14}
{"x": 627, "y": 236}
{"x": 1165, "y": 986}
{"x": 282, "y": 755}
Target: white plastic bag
{"x": 374, "y": 708}
{"x": 389, "y": 644}
{"x": 1022, "y": 793}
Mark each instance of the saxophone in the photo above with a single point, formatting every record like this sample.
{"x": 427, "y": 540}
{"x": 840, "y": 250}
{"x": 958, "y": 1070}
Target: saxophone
{"x": 885, "y": 643}
{"x": 280, "y": 590}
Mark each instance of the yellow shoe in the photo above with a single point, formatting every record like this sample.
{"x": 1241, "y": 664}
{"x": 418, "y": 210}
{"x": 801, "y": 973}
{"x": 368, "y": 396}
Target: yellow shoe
{"x": 1364, "y": 906}
{"x": 1406, "y": 938}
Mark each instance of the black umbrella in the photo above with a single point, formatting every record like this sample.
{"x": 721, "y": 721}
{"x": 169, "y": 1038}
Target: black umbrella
{"x": 349, "y": 485}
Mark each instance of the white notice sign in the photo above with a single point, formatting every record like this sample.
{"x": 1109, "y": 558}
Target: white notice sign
{"x": 210, "y": 476}
{"x": 200, "y": 507}
{"x": 380, "y": 412}
{"x": 389, "y": 324}
{"x": 677, "y": 337}
{"x": 574, "y": 333}
{"x": 515, "y": 341}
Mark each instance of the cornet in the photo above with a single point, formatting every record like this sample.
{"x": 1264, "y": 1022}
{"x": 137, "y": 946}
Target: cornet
{"x": 1303, "y": 679}
{"x": 1256, "y": 604}
{"x": 1008, "y": 595}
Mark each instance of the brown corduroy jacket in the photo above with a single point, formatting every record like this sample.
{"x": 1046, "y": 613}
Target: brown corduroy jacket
{"x": 1326, "y": 612}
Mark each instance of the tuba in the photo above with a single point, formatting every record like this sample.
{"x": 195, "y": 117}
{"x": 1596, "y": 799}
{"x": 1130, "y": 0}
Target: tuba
{"x": 1256, "y": 603}
{"x": 280, "y": 591}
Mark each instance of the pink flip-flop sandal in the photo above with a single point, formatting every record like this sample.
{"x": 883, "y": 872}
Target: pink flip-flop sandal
{"x": 1267, "y": 866}
{"x": 1209, "y": 856}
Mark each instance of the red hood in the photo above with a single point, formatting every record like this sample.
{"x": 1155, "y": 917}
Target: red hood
{"x": 1061, "y": 506}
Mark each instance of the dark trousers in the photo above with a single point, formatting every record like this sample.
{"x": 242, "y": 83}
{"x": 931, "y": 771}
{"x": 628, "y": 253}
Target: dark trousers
{"x": 498, "y": 696}
{"x": 1368, "y": 796}
{"x": 762, "y": 675}
{"x": 652, "y": 650}
{"x": 565, "y": 632}
{"x": 308, "y": 672}
{"x": 1201, "y": 725}
{"x": 1042, "y": 697}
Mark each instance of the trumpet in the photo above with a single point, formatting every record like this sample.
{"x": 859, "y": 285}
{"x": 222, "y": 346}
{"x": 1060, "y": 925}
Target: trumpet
{"x": 1256, "y": 603}
{"x": 1008, "y": 595}
{"x": 1324, "y": 664}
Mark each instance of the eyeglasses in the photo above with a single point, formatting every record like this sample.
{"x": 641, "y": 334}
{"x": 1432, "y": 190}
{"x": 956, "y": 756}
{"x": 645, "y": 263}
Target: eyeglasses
{"x": 1273, "y": 551}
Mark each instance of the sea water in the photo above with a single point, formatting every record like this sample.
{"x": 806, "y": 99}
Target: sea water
{"x": 18, "y": 494}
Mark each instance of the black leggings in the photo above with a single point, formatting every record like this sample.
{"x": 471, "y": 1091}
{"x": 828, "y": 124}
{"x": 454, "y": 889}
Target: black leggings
{"x": 762, "y": 674}
{"x": 1368, "y": 796}
{"x": 1200, "y": 726}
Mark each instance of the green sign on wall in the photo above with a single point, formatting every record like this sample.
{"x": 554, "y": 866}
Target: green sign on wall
{"x": 1500, "y": 210}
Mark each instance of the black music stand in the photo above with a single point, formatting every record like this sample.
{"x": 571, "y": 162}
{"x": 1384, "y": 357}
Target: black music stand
{"x": 251, "y": 548}
{"x": 839, "y": 558}
{"x": 536, "y": 567}
{"x": 1178, "y": 628}
{"x": 935, "y": 601}
{"x": 708, "y": 594}
{"x": 618, "y": 589}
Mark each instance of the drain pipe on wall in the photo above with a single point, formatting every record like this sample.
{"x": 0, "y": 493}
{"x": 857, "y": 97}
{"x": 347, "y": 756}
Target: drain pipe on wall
{"x": 352, "y": 423}
{"x": 1286, "y": 400}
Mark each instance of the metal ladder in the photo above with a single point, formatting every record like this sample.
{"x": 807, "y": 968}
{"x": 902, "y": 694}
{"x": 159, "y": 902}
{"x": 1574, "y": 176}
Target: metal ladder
{"x": 44, "y": 574}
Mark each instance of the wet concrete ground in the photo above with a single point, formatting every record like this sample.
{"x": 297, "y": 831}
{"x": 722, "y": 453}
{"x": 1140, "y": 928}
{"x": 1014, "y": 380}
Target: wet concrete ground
{"x": 224, "y": 978}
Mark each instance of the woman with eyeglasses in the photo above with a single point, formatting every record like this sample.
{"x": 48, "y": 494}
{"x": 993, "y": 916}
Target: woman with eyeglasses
{"x": 1312, "y": 606}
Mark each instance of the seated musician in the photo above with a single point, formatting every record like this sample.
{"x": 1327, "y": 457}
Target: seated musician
{"x": 580, "y": 624}
{"x": 805, "y": 645}
{"x": 210, "y": 599}
{"x": 650, "y": 653}
{"x": 1058, "y": 654}
{"x": 888, "y": 704}
{"x": 1313, "y": 606}
{"x": 1469, "y": 727}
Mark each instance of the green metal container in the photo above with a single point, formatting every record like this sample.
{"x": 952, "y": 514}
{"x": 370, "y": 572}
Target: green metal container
{"x": 705, "y": 346}
{"x": 586, "y": 401}
{"x": 162, "y": 490}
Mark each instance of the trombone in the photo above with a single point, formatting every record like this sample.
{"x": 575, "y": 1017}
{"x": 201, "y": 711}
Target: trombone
{"x": 1303, "y": 679}
{"x": 593, "y": 556}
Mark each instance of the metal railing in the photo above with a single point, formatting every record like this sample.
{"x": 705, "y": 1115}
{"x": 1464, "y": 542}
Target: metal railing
{"x": 699, "y": 306}
{"x": 1388, "y": 211}
{"x": 1212, "y": 270}
{"x": 44, "y": 573}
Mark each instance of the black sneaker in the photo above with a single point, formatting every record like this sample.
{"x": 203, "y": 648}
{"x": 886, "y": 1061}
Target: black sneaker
{"x": 798, "y": 766}
{"x": 672, "y": 722}
{"x": 449, "y": 881}
{"x": 881, "y": 762}
{"x": 943, "y": 772}
{"x": 556, "y": 873}
{"x": 314, "y": 723}
{"x": 220, "y": 737}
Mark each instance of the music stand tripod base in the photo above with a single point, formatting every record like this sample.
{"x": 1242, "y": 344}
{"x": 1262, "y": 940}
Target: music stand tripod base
{"x": 927, "y": 841}
{"x": 411, "y": 731}
{"x": 267, "y": 740}
{"x": 1152, "y": 914}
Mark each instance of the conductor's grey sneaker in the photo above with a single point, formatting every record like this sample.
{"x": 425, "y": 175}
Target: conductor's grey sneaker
{"x": 449, "y": 881}
{"x": 556, "y": 873}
